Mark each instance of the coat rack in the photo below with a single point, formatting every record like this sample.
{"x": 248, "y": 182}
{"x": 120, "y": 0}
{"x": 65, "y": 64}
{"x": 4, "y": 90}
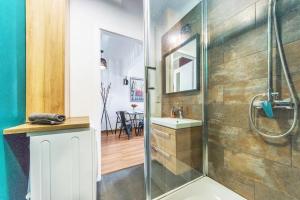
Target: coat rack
{"x": 104, "y": 95}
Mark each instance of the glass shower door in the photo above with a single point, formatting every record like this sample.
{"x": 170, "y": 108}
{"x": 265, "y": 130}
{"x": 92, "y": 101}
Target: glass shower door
{"x": 174, "y": 98}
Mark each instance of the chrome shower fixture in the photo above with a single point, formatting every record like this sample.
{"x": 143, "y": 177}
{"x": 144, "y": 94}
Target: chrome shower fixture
{"x": 272, "y": 102}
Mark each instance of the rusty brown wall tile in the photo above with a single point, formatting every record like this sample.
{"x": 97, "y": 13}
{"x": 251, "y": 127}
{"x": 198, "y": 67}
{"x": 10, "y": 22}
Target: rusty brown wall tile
{"x": 239, "y": 184}
{"x": 290, "y": 25}
{"x": 230, "y": 115}
{"x": 261, "y": 12}
{"x": 247, "y": 68}
{"x": 274, "y": 175}
{"x": 190, "y": 111}
{"x": 248, "y": 142}
{"x": 241, "y": 92}
{"x": 238, "y": 71}
{"x": 263, "y": 192}
{"x": 215, "y": 161}
{"x": 287, "y": 179}
{"x": 236, "y": 24}
{"x": 232, "y": 180}
{"x": 218, "y": 11}
{"x": 283, "y": 7}
{"x": 251, "y": 166}
{"x": 295, "y": 82}
{"x": 245, "y": 44}
{"x": 296, "y": 150}
{"x": 216, "y": 75}
{"x": 215, "y": 94}
{"x": 215, "y": 56}
{"x": 179, "y": 98}
{"x": 293, "y": 56}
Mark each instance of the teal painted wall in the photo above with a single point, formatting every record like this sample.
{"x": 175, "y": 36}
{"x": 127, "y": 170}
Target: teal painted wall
{"x": 13, "y": 164}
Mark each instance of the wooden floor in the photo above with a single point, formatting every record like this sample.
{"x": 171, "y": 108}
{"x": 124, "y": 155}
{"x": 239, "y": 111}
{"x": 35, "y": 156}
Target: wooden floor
{"x": 120, "y": 153}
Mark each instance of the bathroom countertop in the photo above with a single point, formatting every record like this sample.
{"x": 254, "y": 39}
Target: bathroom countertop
{"x": 176, "y": 123}
{"x": 70, "y": 123}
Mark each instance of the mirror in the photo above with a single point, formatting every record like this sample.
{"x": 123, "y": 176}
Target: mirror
{"x": 181, "y": 71}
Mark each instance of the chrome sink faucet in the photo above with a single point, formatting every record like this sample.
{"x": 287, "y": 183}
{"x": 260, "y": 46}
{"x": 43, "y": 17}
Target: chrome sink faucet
{"x": 180, "y": 112}
{"x": 177, "y": 112}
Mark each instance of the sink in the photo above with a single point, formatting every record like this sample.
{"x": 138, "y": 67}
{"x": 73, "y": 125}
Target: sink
{"x": 176, "y": 123}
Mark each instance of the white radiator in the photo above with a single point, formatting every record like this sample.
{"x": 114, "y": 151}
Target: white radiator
{"x": 63, "y": 165}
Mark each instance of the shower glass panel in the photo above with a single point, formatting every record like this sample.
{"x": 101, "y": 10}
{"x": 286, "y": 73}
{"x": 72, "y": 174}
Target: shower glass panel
{"x": 174, "y": 96}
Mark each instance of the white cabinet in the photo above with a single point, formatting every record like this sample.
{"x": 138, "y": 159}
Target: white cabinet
{"x": 63, "y": 165}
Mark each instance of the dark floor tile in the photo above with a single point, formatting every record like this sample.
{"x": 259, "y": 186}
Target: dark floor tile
{"x": 128, "y": 184}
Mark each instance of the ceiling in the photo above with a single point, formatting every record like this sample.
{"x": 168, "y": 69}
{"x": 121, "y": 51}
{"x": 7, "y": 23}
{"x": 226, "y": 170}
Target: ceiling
{"x": 133, "y": 6}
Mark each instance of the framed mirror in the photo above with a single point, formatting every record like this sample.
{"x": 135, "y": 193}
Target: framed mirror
{"x": 182, "y": 67}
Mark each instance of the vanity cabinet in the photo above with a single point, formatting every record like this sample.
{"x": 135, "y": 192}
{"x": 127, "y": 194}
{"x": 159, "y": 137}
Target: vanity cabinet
{"x": 179, "y": 150}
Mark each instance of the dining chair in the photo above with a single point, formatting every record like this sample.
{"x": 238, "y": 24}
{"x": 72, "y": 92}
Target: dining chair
{"x": 140, "y": 124}
{"x": 125, "y": 125}
{"x": 140, "y": 127}
{"x": 118, "y": 121}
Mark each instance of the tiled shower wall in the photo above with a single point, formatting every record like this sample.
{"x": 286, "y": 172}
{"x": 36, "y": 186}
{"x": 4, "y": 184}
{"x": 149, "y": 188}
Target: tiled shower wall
{"x": 255, "y": 167}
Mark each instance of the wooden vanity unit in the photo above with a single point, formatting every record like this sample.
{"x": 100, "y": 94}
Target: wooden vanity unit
{"x": 179, "y": 150}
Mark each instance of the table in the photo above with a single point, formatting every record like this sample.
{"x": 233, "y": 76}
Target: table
{"x": 135, "y": 117}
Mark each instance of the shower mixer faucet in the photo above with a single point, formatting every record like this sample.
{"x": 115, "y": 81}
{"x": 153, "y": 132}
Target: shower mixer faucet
{"x": 271, "y": 102}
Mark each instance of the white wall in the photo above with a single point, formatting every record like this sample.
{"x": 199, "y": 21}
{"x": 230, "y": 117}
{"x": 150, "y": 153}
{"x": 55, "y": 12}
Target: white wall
{"x": 87, "y": 17}
{"x": 119, "y": 96}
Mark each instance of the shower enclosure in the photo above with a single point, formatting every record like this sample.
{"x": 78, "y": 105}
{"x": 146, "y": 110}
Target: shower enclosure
{"x": 175, "y": 141}
{"x": 205, "y": 61}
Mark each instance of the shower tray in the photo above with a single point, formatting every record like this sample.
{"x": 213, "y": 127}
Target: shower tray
{"x": 203, "y": 188}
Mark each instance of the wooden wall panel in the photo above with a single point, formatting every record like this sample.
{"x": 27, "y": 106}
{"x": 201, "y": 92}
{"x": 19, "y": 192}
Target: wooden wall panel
{"x": 45, "y": 56}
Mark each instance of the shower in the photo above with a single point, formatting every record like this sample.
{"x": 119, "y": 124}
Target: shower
{"x": 272, "y": 101}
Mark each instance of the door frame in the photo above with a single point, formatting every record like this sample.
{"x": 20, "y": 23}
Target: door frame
{"x": 204, "y": 89}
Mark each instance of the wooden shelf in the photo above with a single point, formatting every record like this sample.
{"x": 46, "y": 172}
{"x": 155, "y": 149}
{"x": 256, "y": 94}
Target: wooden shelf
{"x": 70, "y": 123}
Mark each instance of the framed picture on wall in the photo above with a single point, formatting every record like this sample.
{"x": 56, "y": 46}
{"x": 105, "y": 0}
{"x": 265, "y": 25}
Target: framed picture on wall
{"x": 136, "y": 89}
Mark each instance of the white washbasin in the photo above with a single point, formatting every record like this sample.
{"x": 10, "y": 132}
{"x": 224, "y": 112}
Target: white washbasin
{"x": 176, "y": 123}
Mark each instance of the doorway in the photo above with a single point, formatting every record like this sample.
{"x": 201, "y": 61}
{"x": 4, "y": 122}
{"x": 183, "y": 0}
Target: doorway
{"x": 122, "y": 91}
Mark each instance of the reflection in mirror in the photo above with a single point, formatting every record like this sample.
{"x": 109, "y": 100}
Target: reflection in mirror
{"x": 182, "y": 67}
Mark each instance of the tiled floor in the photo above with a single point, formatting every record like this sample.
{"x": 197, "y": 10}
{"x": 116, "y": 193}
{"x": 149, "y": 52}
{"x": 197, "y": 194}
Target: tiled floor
{"x": 128, "y": 184}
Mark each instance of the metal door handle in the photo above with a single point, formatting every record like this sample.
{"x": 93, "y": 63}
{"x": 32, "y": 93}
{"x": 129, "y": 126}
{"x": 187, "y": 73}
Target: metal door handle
{"x": 147, "y": 77}
{"x": 150, "y": 68}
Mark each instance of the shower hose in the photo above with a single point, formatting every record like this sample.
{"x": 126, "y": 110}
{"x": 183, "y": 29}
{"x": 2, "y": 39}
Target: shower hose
{"x": 289, "y": 84}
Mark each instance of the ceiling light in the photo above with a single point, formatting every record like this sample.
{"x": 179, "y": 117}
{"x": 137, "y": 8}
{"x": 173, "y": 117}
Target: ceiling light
{"x": 103, "y": 63}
